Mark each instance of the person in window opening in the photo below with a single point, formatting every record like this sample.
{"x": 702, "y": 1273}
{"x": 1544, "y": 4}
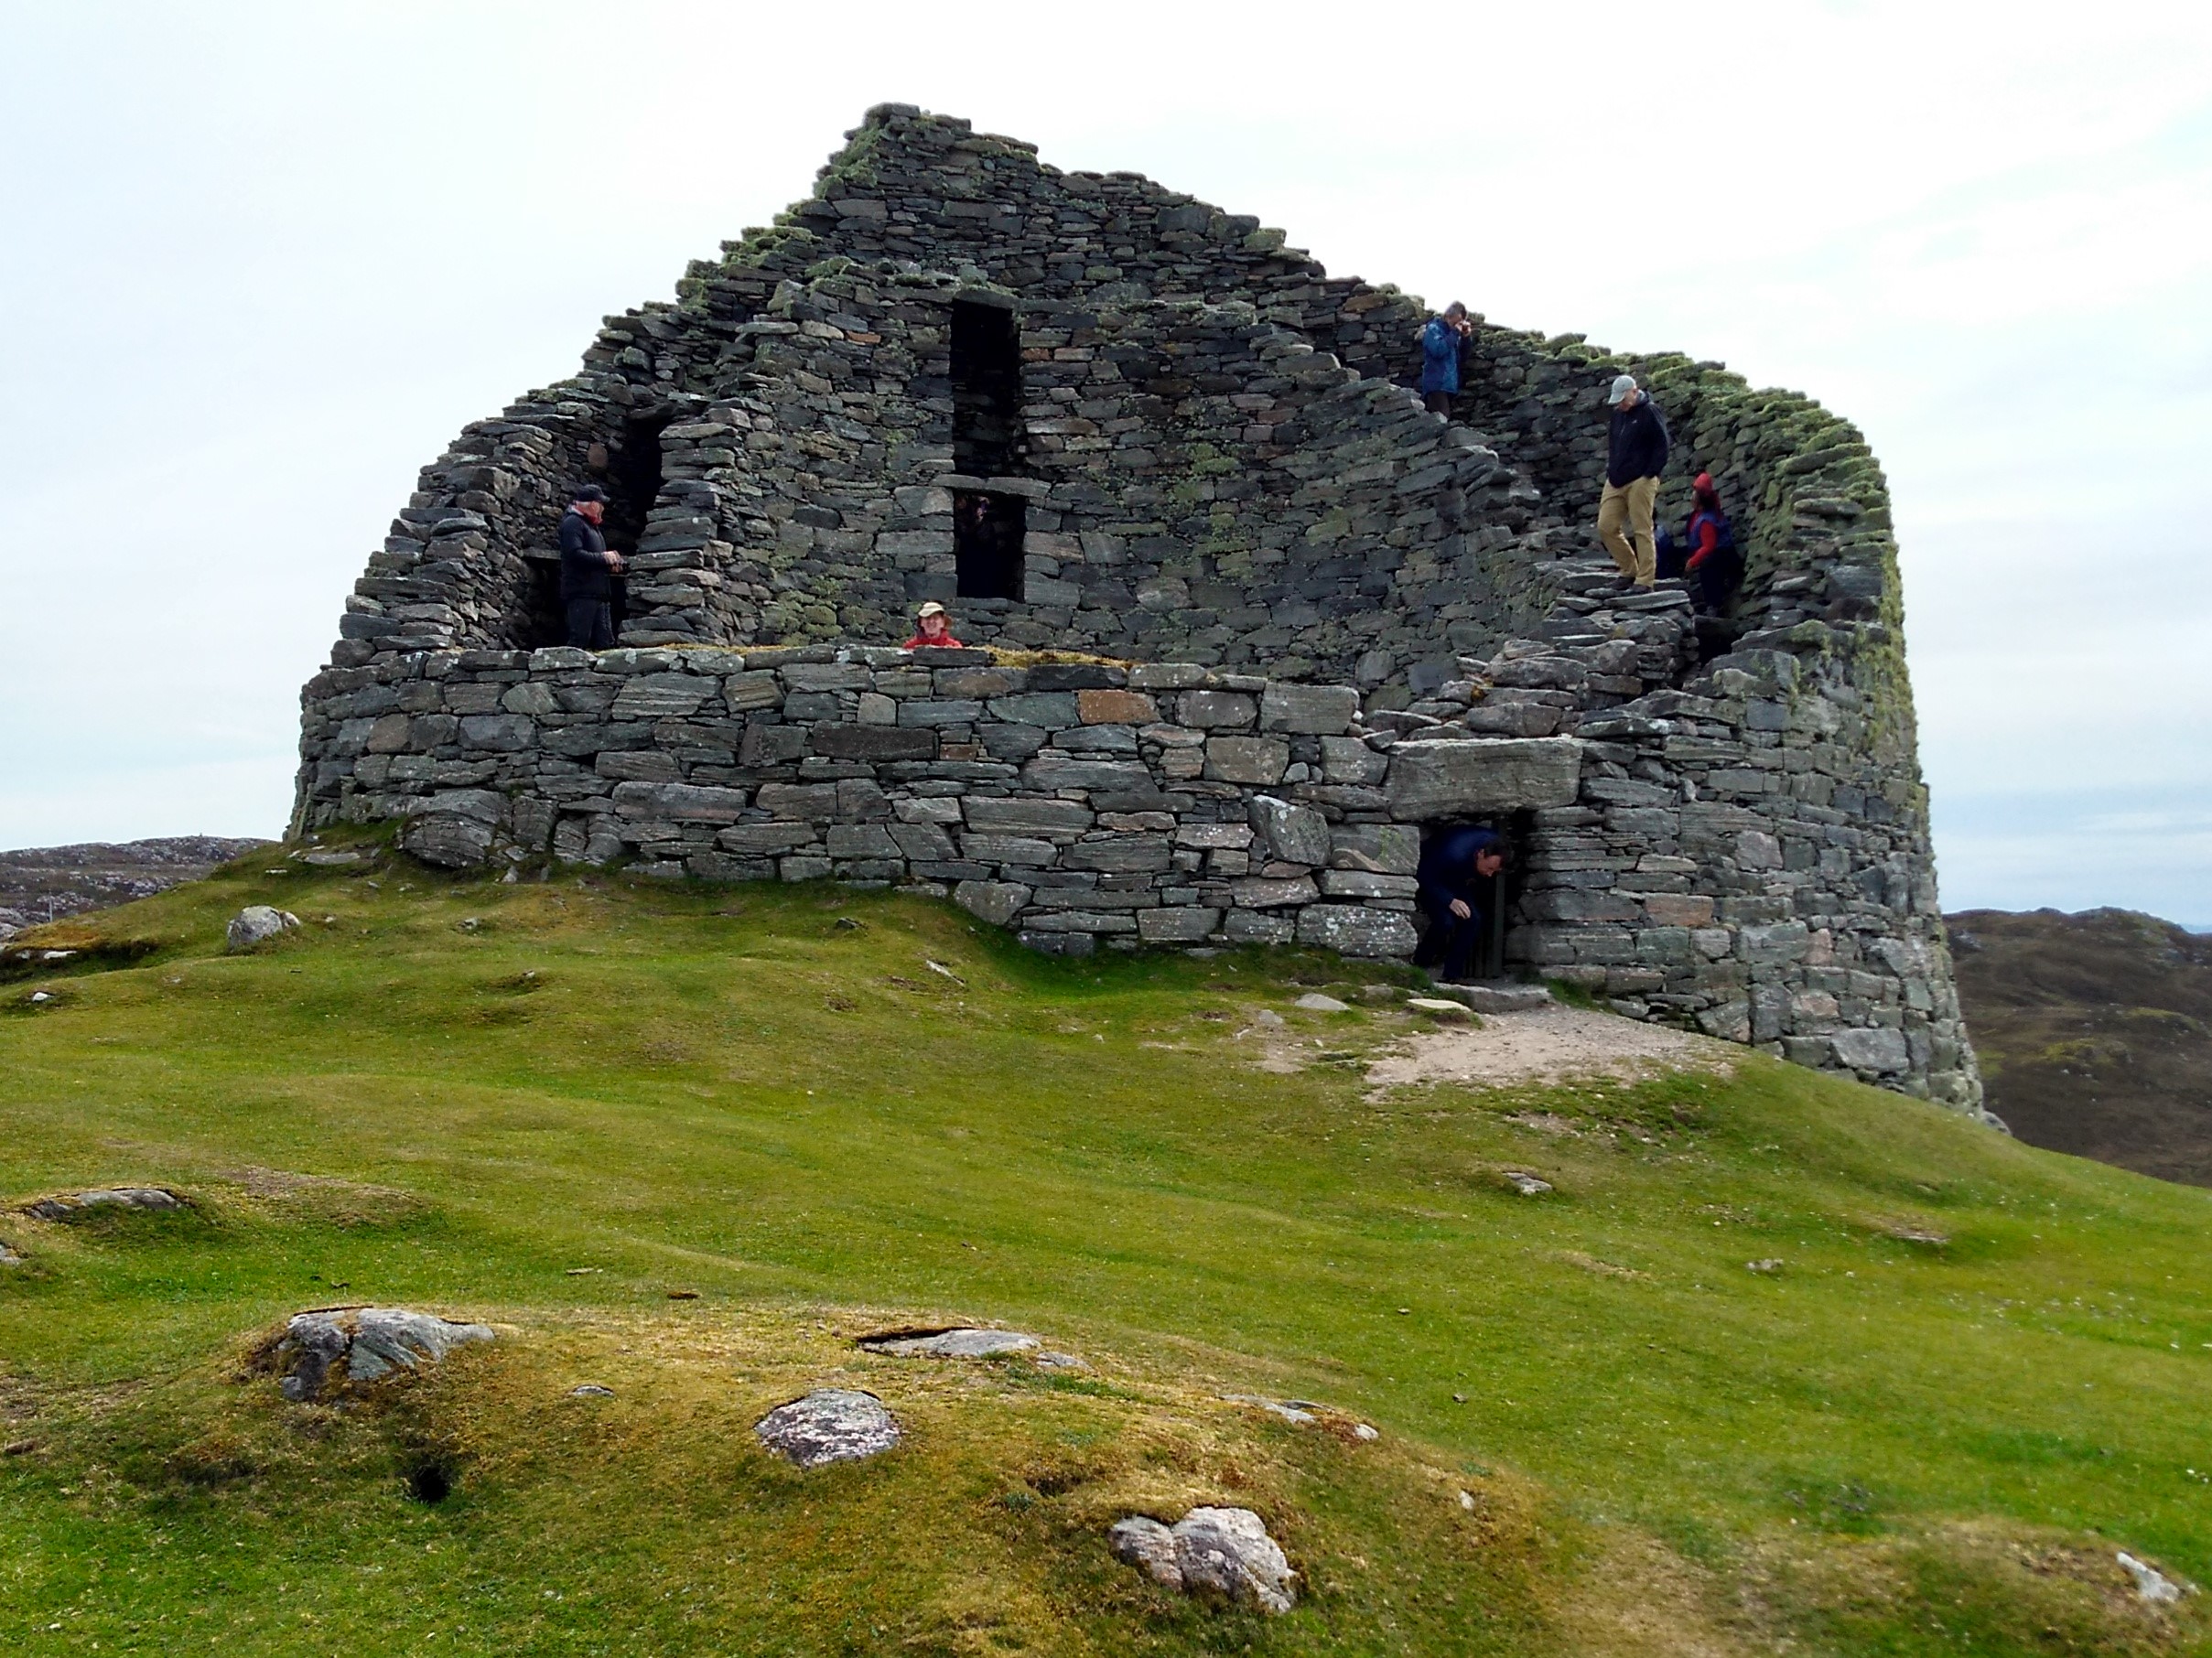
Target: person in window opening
{"x": 932, "y": 626}
{"x": 587, "y": 571}
{"x": 1635, "y": 444}
{"x": 1444, "y": 342}
{"x": 1713, "y": 564}
{"x": 1456, "y": 868}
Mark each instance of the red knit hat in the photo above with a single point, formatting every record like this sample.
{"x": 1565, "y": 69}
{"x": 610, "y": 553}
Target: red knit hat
{"x": 1703, "y": 483}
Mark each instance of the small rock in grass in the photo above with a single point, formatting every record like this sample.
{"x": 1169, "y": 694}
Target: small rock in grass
{"x": 326, "y": 1351}
{"x": 1225, "y": 1550}
{"x": 257, "y": 924}
{"x": 9, "y": 1254}
{"x": 332, "y": 857}
{"x": 1365, "y": 1432}
{"x": 1467, "y": 1501}
{"x": 1437, "y": 1008}
{"x": 1314, "y": 1002}
{"x": 1268, "y": 1018}
{"x": 38, "y": 996}
{"x": 73, "y": 1206}
{"x": 1059, "y": 1361}
{"x": 829, "y": 1425}
{"x": 1380, "y": 993}
{"x": 590, "y": 1390}
{"x": 1770, "y": 1265}
{"x": 1527, "y": 1184}
{"x": 962, "y": 1343}
{"x": 2151, "y": 1584}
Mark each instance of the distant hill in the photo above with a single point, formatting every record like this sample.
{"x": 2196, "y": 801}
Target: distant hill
{"x": 46, "y": 883}
{"x": 2094, "y": 1032}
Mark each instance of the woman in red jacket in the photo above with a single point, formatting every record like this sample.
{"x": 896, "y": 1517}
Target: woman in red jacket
{"x": 1713, "y": 564}
{"x": 932, "y": 626}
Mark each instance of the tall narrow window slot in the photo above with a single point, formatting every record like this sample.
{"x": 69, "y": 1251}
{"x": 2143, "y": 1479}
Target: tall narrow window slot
{"x": 988, "y": 526}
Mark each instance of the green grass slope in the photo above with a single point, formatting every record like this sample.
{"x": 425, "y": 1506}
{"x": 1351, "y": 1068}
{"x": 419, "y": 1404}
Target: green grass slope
{"x": 1977, "y": 1371}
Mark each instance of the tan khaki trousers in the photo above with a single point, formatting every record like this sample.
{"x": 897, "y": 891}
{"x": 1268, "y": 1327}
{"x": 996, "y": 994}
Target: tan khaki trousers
{"x": 1629, "y": 508}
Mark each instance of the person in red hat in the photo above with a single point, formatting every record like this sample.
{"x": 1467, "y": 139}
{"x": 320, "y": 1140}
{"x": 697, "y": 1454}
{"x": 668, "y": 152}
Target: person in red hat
{"x": 1713, "y": 564}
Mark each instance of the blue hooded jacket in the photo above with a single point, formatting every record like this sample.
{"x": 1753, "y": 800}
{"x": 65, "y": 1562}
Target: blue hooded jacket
{"x": 1440, "y": 357}
{"x": 1447, "y": 868}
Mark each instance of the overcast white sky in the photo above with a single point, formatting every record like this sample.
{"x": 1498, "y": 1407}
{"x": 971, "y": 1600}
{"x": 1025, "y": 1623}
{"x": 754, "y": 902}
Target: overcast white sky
{"x": 261, "y": 262}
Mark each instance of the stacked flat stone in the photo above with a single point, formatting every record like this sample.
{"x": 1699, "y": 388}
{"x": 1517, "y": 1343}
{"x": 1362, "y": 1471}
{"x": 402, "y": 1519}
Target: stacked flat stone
{"x": 1156, "y": 802}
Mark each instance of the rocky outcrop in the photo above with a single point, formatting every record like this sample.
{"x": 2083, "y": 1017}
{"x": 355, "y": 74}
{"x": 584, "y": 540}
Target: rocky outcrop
{"x": 829, "y": 1425}
{"x": 1220, "y": 1551}
{"x": 46, "y": 883}
{"x": 330, "y": 1352}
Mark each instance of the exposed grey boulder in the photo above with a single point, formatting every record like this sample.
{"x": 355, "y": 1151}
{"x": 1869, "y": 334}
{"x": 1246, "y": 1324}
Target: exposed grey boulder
{"x": 9, "y": 1254}
{"x": 1315, "y": 1002}
{"x": 1528, "y": 1185}
{"x": 1225, "y": 1550}
{"x": 829, "y": 1425}
{"x": 590, "y": 1390}
{"x": 325, "y": 1351}
{"x": 75, "y": 1205}
{"x": 257, "y": 924}
{"x": 964, "y": 1343}
{"x": 2151, "y": 1584}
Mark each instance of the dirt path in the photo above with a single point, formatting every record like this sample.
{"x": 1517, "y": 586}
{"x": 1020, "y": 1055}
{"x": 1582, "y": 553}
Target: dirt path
{"x": 1547, "y": 1045}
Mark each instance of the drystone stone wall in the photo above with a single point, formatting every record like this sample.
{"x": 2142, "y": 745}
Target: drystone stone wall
{"x": 1224, "y": 474}
{"x": 1158, "y": 803}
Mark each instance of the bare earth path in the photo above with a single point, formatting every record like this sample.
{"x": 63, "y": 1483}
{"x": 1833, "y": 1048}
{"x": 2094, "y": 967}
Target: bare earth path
{"x": 1549, "y": 1044}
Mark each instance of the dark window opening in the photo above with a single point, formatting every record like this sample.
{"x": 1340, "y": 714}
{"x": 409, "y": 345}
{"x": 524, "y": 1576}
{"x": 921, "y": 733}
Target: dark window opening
{"x": 629, "y": 469}
{"x": 986, "y": 389}
{"x": 988, "y": 532}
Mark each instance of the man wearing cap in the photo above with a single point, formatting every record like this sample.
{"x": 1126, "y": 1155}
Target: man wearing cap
{"x": 587, "y": 571}
{"x": 1635, "y": 455}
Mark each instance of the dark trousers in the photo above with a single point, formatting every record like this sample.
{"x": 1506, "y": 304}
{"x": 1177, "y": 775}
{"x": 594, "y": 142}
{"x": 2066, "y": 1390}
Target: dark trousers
{"x": 1717, "y": 578}
{"x": 1450, "y": 941}
{"x": 1439, "y": 403}
{"x": 590, "y": 623}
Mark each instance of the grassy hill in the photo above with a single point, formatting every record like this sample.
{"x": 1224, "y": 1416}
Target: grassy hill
{"x": 1967, "y": 1373}
{"x": 2094, "y": 1032}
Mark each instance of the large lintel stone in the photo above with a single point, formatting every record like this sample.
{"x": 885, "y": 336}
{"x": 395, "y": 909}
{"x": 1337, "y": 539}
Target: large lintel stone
{"x": 1439, "y": 779}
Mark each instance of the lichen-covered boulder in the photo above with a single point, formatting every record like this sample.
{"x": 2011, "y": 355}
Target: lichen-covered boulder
{"x": 256, "y": 924}
{"x": 323, "y": 1353}
{"x": 829, "y": 1425}
{"x": 1225, "y": 1551}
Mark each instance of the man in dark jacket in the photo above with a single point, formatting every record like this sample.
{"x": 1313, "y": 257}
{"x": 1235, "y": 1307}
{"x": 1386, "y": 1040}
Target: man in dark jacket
{"x": 587, "y": 571}
{"x": 1456, "y": 868}
{"x": 1635, "y": 455}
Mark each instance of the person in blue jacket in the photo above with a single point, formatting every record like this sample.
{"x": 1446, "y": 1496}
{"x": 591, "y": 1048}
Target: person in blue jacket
{"x": 1456, "y": 868}
{"x": 1444, "y": 341}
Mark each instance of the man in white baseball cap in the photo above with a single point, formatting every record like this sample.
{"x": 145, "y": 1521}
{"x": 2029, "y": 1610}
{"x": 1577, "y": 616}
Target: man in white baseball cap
{"x": 1635, "y": 456}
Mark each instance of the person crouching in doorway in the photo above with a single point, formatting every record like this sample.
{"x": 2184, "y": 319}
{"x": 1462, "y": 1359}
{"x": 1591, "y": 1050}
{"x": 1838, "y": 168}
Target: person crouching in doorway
{"x": 1456, "y": 870}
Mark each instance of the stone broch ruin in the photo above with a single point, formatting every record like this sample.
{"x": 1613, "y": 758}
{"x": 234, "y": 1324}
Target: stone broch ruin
{"x": 1254, "y": 619}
